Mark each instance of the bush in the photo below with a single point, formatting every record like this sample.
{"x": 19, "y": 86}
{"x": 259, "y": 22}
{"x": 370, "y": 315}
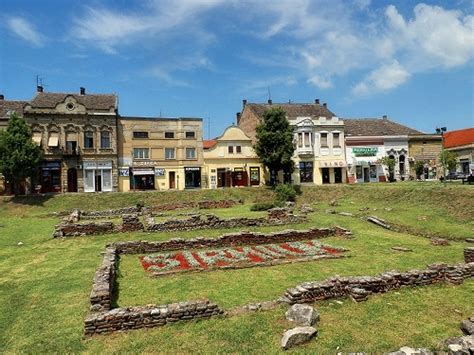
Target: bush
{"x": 284, "y": 193}
{"x": 262, "y": 206}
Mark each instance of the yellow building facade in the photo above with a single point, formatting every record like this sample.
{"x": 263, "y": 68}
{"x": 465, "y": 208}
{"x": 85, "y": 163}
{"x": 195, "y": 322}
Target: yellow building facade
{"x": 160, "y": 153}
{"x": 230, "y": 161}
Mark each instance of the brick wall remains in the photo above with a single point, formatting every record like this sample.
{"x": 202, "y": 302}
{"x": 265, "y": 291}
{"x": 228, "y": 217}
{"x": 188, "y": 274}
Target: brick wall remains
{"x": 469, "y": 255}
{"x": 104, "y": 280}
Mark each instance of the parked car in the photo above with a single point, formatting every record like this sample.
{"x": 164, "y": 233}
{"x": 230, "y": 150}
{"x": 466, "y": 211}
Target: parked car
{"x": 455, "y": 176}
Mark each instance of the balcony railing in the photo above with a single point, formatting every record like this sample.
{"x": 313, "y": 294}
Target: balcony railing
{"x": 308, "y": 150}
{"x": 71, "y": 151}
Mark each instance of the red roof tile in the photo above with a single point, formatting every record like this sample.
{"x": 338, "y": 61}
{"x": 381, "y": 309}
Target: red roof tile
{"x": 459, "y": 137}
{"x": 208, "y": 144}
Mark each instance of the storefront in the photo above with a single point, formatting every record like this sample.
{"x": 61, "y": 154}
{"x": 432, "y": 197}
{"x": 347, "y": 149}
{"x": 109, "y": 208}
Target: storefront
{"x": 142, "y": 178}
{"x": 332, "y": 172}
{"x": 192, "y": 177}
{"x": 254, "y": 176}
{"x": 50, "y": 176}
{"x": 363, "y": 164}
{"x": 306, "y": 171}
{"x": 97, "y": 176}
{"x": 239, "y": 177}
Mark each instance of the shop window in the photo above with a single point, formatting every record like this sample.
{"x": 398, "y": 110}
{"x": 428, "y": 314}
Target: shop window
{"x": 89, "y": 179}
{"x": 191, "y": 135}
{"x": 373, "y": 172}
{"x": 141, "y": 153}
{"x": 254, "y": 176}
{"x": 238, "y": 149}
{"x": 107, "y": 180}
{"x": 230, "y": 149}
{"x": 169, "y": 153}
{"x": 89, "y": 140}
{"x": 190, "y": 153}
{"x": 169, "y": 134}
{"x": 306, "y": 171}
{"x": 359, "y": 174}
{"x": 335, "y": 140}
{"x": 324, "y": 140}
{"x": 140, "y": 135}
{"x": 105, "y": 140}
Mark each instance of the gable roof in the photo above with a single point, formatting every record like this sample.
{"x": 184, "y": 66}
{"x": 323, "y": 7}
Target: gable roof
{"x": 293, "y": 110}
{"x": 46, "y": 100}
{"x": 375, "y": 127}
{"x": 459, "y": 137}
{"x": 7, "y": 106}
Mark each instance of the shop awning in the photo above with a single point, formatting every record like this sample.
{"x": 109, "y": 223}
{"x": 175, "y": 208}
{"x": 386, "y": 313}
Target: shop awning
{"x": 53, "y": 140}
{"x": 37, "y": 138}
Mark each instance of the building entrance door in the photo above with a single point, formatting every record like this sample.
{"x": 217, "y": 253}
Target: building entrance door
{"x": 98, "y": 181}
{"x": 221, "y": 178}
{"x": 72, "y": 180}
{"x": 366, "y": 174}
{"x": 172, "y": 178}
{"x": 338, "y": 175}
{"x": 325, "y": 172}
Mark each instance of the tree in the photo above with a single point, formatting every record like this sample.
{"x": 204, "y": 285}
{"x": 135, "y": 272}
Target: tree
{"x": 19, "y": 155}
{"x": 448, "y": 160}
{"x": 419, "y": 168}
{"x": 389, "y": 162}
{"x": 274, "y": 144}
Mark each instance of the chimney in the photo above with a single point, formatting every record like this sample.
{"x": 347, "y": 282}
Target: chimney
{"x": 2, "y": 97}
{"x": 325, "y": 105}
{"x": 316, "y": 101}
{"x": 384, "y": 117}
{"x": 82, "y": 90}
{"x": 244, "y": 102}
{"x": 238, "y": 117}
{"x": 269, "y": 101}
{"x": 39, "y": 88}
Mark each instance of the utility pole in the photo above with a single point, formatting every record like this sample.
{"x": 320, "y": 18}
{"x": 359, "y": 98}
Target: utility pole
{"x": 443, "y": 158}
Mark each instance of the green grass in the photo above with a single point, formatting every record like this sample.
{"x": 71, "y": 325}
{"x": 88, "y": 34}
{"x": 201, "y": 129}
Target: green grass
{"x": 45, "y": 284}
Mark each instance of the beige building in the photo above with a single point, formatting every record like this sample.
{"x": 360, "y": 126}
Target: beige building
{"x": 230, "y": 160}
{"x": 425, "y": 148}
{"x": 319, "y": 139}
{"x": 79, "y": 139}
{"x": 160, "y": 153}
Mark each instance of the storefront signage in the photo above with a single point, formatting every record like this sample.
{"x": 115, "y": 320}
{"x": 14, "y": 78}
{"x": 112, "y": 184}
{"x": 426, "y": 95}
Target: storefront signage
{"x": 124, "y": 172}
{"x": 192, "y": 169}
{"x": 97, "y": 164}
{"x": 365, "y": 152}
{"x": 159, "y": 172}
{"x": 332, "y": 164}
{"x": 143, "y": 163}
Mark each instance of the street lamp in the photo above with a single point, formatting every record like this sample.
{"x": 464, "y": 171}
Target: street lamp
{"x": 441, "y": 131}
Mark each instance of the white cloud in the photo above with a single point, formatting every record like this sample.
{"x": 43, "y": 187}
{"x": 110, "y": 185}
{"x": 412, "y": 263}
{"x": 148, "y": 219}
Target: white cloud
{"x": 385, "y": 78}
{"x": 25, "y": 30}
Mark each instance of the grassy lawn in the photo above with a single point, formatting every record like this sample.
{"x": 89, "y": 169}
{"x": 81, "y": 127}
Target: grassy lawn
{"x": 45, "y": 283}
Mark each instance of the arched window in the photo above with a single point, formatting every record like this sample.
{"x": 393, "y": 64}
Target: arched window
{"x": 401, "y": 164}
{"x": 88, "y": 139}
{"x": 105, "y": 140}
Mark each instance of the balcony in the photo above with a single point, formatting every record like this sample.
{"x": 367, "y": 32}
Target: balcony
{"x": 305, "y": 151}
{"x": 72, "y": 151}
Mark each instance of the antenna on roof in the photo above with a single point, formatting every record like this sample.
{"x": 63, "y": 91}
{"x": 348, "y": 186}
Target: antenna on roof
{"x": 269, "y": 94}
{"x": 209, "y": 127}
{"x": 160, "y": 112}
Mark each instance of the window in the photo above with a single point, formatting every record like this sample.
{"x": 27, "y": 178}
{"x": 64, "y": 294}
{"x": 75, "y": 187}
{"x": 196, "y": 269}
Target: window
{"x": 306, "y": 171}
{"x": 190, "y": 135}
{"x": 105, "y": 140}
{"x": 169, "y": 134}
{"x": 53, "y": 140}
{"x": 307, "y": 139}
{"x": 107, "y": 180}
{"x": 190, "y": 153}
{"x": 230, "y": 149}
{"x": 324, "y": 140}
{"x": 89, "y": 139}
{"x": 300, "y": 139}
{"x": 140, "y": 153}
{"x": 140, "y": 135}
{"x": 169, "y": 153}
{"x": 238, "y": 149}
{"x": 335, "y": 140}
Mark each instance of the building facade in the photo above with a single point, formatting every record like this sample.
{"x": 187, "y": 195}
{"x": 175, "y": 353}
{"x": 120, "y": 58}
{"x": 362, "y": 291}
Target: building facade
{"x": 461, "y": 142}
{"x": 160, "y": 153}
{"x": 230, "y": 160}
{"x": 319, "y": 139}
{"x": 368, "y": 141}
{"x": 78, "y": 135}
{"x": 425, "y": 148}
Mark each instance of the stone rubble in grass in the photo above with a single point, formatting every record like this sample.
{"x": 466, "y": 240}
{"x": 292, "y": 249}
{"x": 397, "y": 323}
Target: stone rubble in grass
{"x": 469, "y": 255}
{"x": 469, "y": 240}
{"x": 347, "y": 214}
{"x": 302, "y": 315}
{"x": 406, "y": 350}
{"x": 401, "y": 249}
{"x": 461, "y": 346}
{"x": 378, "y": 221}
{"x": 306, "y": 209}
{"x": 467, "y": 326}
{"x": 439, "y": 241}
{"x": 297, "y": 336}
{"x": 333, "y": 203}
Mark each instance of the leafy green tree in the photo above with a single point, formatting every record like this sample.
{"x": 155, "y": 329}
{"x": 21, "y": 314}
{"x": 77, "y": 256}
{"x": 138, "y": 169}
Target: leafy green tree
{"x": 448, "y": 160}
{"x": 389, "y": 162}
{"x": 274, "y": 144}
{"x": 419, "y": 168}
{"x": 19, "y": 155}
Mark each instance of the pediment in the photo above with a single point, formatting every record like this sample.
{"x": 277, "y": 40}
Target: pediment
{"x": 70, "y": 105}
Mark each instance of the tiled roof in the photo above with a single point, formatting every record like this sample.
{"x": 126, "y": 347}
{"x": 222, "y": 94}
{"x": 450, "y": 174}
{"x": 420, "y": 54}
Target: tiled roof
{"x": 294, "y": 110}
{"x": 375, "y": 127}
{"x": 90, "y": 101}
{"x": 6, "y": 107}
{"x": 459, "y": 137}
{"x": 208, "y": 144}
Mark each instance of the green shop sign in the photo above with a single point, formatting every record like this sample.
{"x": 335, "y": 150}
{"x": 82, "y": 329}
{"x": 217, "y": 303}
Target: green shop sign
{"x": 365, "y": 152}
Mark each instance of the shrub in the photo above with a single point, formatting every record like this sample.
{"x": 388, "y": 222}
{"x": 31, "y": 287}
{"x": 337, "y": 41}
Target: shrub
{"x": 285, "y": 192}
{"x": 262, "y": 206}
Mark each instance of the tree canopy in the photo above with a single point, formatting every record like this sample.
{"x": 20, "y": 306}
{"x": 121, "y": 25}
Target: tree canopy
{"x": 274, "y": 144}
{"x": 19, "y": 155}
{"x": 448, "y": 160}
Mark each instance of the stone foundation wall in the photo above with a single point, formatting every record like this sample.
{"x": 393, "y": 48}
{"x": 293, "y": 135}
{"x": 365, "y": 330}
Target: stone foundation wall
{"x": 104, "y": 280}
{"x": 120, "y": 319}
{"x": 226, "y": 240}
{"x": 359, "y": 288}
{"x": 469, "y": 255}
{"x": 79, "y": 229}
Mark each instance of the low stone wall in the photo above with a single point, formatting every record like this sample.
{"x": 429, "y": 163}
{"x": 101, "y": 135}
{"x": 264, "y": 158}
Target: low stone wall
{"x": 469, "y": 255}
{"x": 80, "y": 229}
{"x": 360, "y": 287}
{"x": 104, "y": 279}
{"x": 230, "y": 239}
{"x": 120, "y": 319}
{"x": 131, "y": 222}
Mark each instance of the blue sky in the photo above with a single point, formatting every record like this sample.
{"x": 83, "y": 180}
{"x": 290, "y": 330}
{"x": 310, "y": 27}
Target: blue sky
{"x": 409, "y": 60}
